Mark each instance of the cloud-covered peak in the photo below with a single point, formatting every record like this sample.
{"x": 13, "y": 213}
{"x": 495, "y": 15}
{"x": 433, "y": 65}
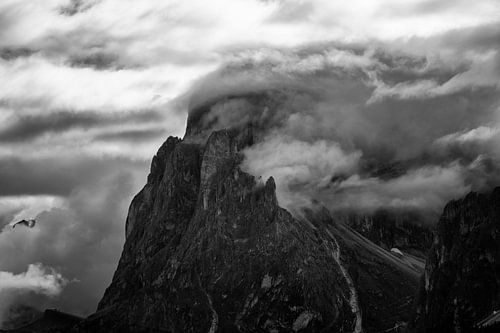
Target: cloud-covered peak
{"x": 330, "y": 117}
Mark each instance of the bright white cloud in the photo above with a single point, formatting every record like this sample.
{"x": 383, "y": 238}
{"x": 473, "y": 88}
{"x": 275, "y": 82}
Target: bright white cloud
{"x": 177, "y": 41}
{"x": 296, "y": 163}
{"x": 37, "y": 278}
{"x": 426, "y": 187}
{"x": 27, "y": 206}
{"x": 35, "y": 81}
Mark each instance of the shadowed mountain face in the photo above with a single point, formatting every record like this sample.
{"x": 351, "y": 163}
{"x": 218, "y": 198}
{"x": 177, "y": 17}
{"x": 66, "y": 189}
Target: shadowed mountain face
{"x": 462, "y": 276}
{"x": 403, "y": 230}
{"x": 208, "y": 249}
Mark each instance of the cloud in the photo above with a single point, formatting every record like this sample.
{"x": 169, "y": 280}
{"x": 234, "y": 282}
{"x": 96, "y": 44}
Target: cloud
{"x": 37, "y": 279}
{"x": 77, "y": 6}
{"x": 133, "y": 135}
{"x": 35, "y": 80}
{"x": 424, "y": 189}
{"x": 96, "y": 60}
{"x": 482, "y": 38}
{"x": 480, "y": 134}
{"x": 298, "y": 166}
{"x": 57, "y": 176}
{"x": 16, "y": 208}
{"x": 481, "y": 73}
{"x": 307, "y": 103}
{"x": 30, "y": 126}
{"x": 83, "y": 238}
{"x": 13, "y": 53}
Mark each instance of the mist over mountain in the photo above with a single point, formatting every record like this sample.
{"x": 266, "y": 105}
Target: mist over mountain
{"x": 355, "y": 128}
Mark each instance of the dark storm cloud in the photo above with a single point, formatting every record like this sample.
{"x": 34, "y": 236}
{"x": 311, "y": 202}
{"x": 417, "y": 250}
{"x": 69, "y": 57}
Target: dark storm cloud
{"x": 97, "y": 60}
{"x": 55, "y": 176}
{"x": 24, "y": 128}
{"x": 134, "y": 135}
{"x": 7, "y": 53}
{"x": 94, "y": 49}
{"x": 77, "y": 6}
{"x": 98, "y": 50}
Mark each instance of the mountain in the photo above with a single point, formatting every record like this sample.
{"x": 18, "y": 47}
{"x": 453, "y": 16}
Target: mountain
{"x": 461, "y": 285}
{"x": 209, "y": 249}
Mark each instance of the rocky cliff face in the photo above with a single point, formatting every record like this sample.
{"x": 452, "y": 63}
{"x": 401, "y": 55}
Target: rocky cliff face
{"x": 462, "y": 276}
{"x": 208, "y": 249}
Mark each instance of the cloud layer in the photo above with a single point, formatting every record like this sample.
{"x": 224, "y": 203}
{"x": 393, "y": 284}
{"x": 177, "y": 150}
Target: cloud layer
{"x": 362, "y": 127}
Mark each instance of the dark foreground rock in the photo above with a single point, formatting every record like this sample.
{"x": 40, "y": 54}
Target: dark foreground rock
{"x": 461, "y": 285}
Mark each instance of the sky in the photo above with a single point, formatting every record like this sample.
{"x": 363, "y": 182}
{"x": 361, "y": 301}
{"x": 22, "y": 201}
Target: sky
{"x": 89, "y": 89}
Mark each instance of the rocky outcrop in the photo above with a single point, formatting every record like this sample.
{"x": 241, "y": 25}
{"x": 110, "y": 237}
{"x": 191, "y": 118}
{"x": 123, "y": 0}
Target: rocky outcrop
{"x": 461, "y": 285}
